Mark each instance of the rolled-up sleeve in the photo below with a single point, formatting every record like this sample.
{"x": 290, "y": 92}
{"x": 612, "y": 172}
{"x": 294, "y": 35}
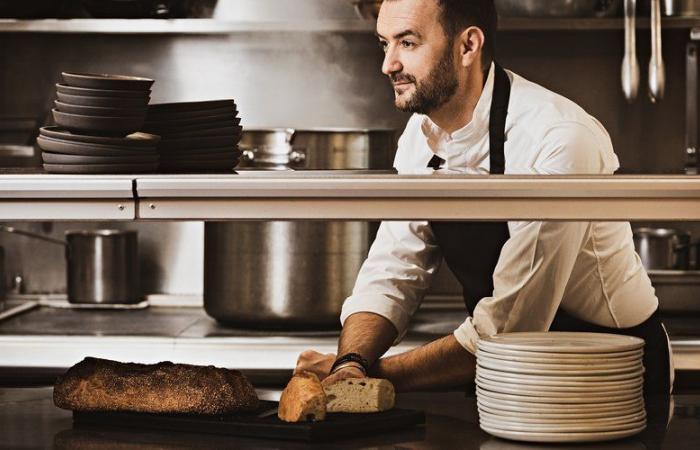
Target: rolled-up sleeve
{"x": 396, "y": 274}
{"x": 537, "y": 261}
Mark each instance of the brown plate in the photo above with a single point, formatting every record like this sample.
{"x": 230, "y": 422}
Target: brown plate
{"x": 106, "y": 102}
{"x": 220, "y": 156}
{"x": 83, "y": 149}
{"x": 199, "y": 150}
{"x": 135, "y": 140}
{"x": 100, "y": 168}
{"x": 233, "y": 132}
{"x": 99, "y": 111}
{"x": 170, "y": 124}
{"x": 58, "y": 158}
{"x": 74, "y": 90}
{"x": 107, "y": 81}
{"x": 167, "y": 131}
{"x": 107, "y": 126}
{"x": 159, "y": 117}
{"x": 183, "y": 107}
{"x": 195, "y": 143}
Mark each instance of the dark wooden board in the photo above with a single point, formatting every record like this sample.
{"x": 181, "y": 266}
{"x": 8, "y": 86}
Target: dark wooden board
{"x": 336, "y": 426}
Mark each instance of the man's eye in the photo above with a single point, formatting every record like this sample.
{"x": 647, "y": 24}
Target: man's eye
{"x": 407, "y": 44}
{"x": 383, "y": 45}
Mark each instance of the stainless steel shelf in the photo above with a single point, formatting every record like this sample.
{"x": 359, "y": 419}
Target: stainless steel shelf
{"x": 315, "y": 195}
{"x": 211, "y": 26}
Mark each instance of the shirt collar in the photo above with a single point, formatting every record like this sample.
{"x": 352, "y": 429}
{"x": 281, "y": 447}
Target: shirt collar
{"x": 471, "y": 132}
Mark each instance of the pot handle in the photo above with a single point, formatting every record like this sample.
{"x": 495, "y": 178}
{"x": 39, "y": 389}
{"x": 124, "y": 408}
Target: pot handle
{"x": 14, "y": 230}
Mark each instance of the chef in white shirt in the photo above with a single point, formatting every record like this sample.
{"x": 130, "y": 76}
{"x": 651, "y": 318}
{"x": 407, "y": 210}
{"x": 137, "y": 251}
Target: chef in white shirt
{"x": 470, "y": 116}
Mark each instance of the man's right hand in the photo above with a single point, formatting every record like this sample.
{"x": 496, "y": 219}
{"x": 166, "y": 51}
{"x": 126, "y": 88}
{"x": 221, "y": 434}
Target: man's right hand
{"x": 315, "y": 362}
{"x": 343, "y": 374}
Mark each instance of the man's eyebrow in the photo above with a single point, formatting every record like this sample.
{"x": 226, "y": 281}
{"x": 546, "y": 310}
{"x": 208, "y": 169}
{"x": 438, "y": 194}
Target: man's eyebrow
{"x": 401, "y": 34}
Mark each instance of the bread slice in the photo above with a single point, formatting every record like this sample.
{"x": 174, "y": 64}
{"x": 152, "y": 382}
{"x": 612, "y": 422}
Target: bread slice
{"x": 360, "y": 395}
{"x": 103, "y": 385}
{"x": 303, "y": 399}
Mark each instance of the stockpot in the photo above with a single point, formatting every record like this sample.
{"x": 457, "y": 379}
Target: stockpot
{"x": 101, "y": 265}
{"x": 283, "y": 274}
{"x": 663, "y": 248}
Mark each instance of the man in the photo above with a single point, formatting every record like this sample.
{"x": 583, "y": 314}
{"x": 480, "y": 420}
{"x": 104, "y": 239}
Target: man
{"x": 473, "y": 117}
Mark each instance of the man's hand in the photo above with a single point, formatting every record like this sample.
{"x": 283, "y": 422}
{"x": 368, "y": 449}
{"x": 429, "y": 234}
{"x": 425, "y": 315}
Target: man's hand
{"x": 343, "y": 374}
{"x": 315, "y": 362}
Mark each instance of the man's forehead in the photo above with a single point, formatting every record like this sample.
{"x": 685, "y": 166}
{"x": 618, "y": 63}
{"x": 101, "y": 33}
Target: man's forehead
{"x": 397, "y": 16}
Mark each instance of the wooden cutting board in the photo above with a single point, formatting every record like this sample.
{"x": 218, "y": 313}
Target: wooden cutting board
{"x": 336, "y": 426}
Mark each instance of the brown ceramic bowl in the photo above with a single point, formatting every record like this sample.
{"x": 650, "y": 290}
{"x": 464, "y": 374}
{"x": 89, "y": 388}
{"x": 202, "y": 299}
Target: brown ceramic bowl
{"x": 99, "y": 110}
{"x": 102, "y": 126}
{"x": 74, "y": 90}
{"x": 107, "y": 81}
{"x": 104, "y": 102}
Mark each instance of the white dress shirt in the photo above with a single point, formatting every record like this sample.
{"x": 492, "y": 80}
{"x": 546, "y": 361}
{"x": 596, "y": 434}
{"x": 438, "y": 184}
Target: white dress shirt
{"x": 590, "y": 269}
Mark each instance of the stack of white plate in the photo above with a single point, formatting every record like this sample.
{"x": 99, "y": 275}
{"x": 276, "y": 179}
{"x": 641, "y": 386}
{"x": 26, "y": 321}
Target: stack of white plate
{"x": 560, "y": 387}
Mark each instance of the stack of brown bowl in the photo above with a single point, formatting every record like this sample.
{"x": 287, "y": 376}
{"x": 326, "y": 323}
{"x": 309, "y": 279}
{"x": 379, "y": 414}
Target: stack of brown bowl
{"x": 196, "y": 136}
{"x": 95, "y": 114}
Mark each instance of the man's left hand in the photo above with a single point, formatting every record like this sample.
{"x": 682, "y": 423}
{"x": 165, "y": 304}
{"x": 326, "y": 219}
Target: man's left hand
{"x": 315, "y": 362}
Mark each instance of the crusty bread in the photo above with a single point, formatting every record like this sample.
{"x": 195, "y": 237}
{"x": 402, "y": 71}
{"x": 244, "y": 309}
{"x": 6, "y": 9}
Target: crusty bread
{"x": 303, "y": 399}
{"x": 103, "y": 385}
{"x": 360, "y": 395}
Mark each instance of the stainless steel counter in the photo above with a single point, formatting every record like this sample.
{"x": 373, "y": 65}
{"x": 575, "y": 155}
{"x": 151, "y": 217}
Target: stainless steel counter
{"x": 29, "y": 420}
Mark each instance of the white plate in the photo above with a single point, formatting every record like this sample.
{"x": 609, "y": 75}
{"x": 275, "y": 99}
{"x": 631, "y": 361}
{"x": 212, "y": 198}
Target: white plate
{"x": 506, "y": 352}
{"x": 562, "y": 380}
{"x": 582, "y": 366}
{"x": 573, "y": 415}
{"x": 565, "y": 428}
{"x": 561, "y": 437}
{"x": 533, "y": 369}
{"x": 562, "y": 342}
{"x": 622, "y": 407}
{"x": 525, "y": 420}
{"x": 595, "y": 359}
{"x": 551, "y": 392}
{"x": 576, "y": 399}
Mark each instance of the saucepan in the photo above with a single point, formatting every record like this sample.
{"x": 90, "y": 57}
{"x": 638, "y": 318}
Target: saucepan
{"x": 664, "y": 248}
{"x": 101, "y": 265}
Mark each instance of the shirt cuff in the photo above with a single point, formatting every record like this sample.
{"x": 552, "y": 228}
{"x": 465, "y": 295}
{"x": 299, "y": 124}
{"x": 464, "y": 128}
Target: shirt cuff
{"x": 467, "y": 336}
{"x": 380, "y": 305}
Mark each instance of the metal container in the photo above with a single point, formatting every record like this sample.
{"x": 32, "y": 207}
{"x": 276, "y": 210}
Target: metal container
{"x": 292, "y": 275}
{"x": 103, "y": 266}
{"x": 3, "y": 279}
{"x": 682, "y": 8}
{"x": 663, "y": 248}
{"x": 558, "y": 8}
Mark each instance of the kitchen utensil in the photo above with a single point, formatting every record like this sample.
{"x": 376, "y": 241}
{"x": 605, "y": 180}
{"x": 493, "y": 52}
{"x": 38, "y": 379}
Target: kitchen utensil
{"x": 57, "y": 158}
{"x": 233, "y": 132}
{"x": 561, "y": 437}
{"x": 630, "y": 64}
{"x": 166, "y": 116}
{"x": 101, "y": 265}
{"x": 291, "y": 274}
{"x": 111, "y": 126}
{"x": 186, "y": 107}
{"x": 228, "y": 155}
{"x": 562, "y": 342}
{"x": 174, "y": 124}
{"x": 99, "y": 110}
{"x": 108, "y": 102}
{"x": 189, "y": 143}
{"x": 336, "y": 426}
{"x": 80, "y": 149}
{"x": 85, "y": 92}
{"x": 557, "y": 8}
{"x": 683, "y": 8}
{"x": 663, "y": 248}
{"x": 132, "y": 142}
{"x": 657, "y": 69}
{"x": 107, "y": 81}
{"x": 100, "y": 168}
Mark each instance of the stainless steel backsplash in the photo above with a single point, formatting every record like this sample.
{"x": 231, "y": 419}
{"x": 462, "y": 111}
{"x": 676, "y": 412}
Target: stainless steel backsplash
{"x": 311, "y": 80}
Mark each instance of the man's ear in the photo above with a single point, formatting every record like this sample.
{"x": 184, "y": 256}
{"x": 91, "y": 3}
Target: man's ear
{"x": 471, "y": 45}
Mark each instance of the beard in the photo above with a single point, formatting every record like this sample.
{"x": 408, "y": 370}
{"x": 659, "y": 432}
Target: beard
{"x": 433, "y": 92}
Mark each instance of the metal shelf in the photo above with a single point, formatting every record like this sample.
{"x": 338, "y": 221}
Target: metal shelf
{"x": 324, "y": 196}
{"x": 211, "y": 26}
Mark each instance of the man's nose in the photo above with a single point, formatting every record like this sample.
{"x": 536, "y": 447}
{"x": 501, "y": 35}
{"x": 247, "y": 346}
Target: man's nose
{"x": 391, "y": 63}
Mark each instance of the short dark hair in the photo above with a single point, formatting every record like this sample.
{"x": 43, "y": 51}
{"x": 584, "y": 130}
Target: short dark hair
{"x": 458, "y": 15}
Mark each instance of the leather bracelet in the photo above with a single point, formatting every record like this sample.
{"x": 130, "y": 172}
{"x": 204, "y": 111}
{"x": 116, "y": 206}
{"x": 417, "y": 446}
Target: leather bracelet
{"x": 347, "y": 364}
{"x": 354, "y": 357}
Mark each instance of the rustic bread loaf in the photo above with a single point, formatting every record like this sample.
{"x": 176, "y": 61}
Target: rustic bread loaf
{"x": 103, "y": 385}
{"x": 360, "y": 395}
{"x": 303, "y": 399}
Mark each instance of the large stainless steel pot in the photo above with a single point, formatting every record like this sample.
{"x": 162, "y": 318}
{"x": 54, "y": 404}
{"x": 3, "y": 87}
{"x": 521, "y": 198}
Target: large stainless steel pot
{"x": 291, "y": 275}
{"x": 558, "y": 8}
{"x": 101, "y": 265}
{"x": 663, "y": 248}
{"x": 683, "y": 8}
{"x": 3, "y": 280}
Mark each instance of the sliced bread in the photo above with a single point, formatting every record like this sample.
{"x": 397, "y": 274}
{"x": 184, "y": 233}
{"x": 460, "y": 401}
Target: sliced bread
{"x": 360, "y": 395}
{"x": 303, "y": 399}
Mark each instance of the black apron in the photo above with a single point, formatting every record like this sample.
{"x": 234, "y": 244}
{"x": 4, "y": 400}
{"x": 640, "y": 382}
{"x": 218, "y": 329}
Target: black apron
{"x": 472, "y": 249}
